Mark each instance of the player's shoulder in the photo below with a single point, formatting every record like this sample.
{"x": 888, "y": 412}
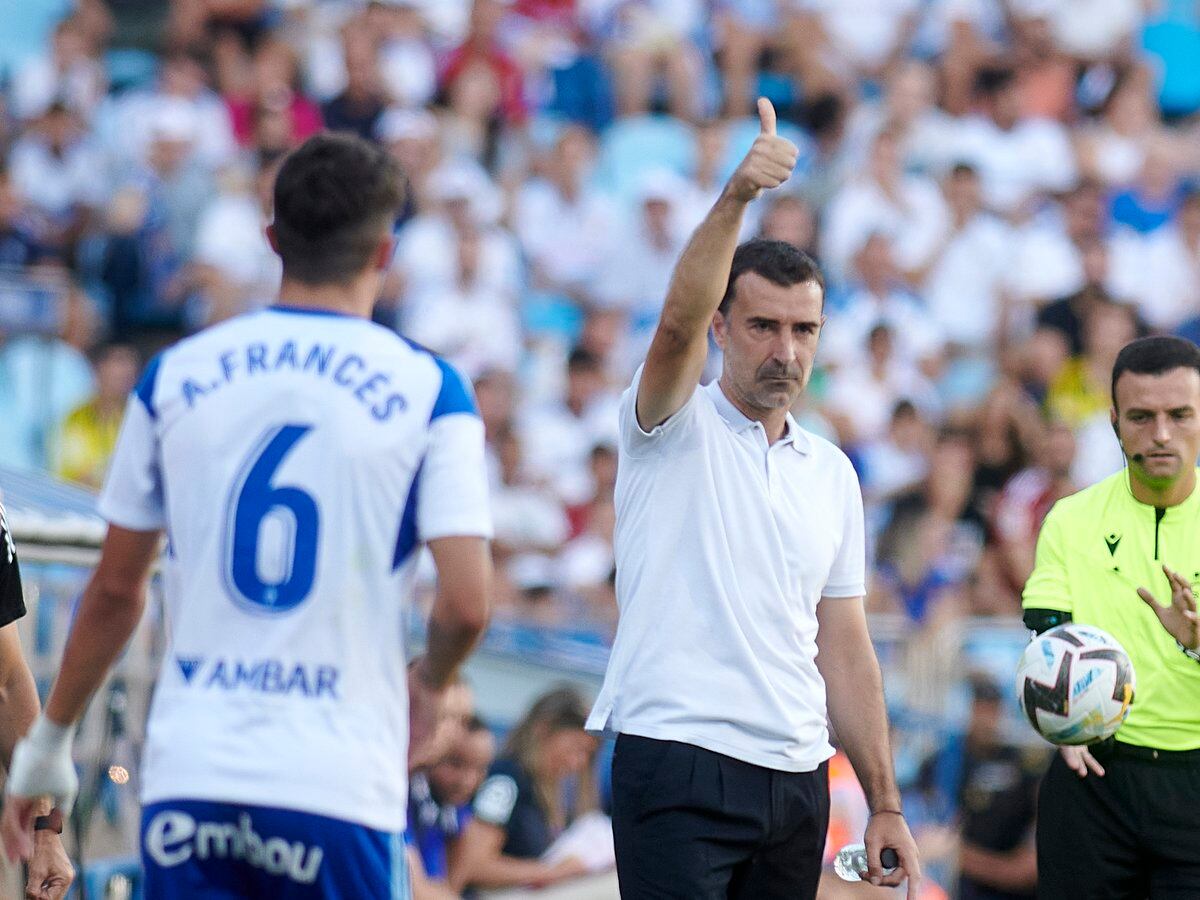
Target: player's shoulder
{"x": 454, "y": 391}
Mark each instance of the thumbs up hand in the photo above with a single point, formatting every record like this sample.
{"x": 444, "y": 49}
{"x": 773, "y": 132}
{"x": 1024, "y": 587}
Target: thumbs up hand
{"x": 769, "y": 162}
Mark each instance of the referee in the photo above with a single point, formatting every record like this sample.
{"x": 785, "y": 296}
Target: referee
{"x": 1122, "y": 818}
{"x": 740, "y": 581}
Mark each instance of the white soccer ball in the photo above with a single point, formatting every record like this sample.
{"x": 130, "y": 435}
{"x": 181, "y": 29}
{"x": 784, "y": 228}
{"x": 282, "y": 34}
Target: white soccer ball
{"x": 1075, "y": 684}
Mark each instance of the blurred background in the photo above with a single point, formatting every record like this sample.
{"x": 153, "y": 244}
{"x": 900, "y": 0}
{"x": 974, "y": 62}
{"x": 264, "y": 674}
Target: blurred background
{"x": 1001, "y": 192}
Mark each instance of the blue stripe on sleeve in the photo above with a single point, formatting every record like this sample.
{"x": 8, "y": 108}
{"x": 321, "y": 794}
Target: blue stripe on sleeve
{"x": 406, "y": 539}
{"x": 455, "y": 396}
{"x": 145, "y": 386}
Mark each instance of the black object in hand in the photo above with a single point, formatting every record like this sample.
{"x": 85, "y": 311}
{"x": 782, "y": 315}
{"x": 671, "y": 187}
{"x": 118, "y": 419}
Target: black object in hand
{"x": 889, "y": 858}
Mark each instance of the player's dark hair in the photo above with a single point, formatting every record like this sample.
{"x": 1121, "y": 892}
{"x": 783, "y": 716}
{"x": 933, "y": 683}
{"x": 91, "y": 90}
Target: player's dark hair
{"x": 779, "y": 262}
{"x": 336, "y": 196}
{"x": 1154, "y": 355}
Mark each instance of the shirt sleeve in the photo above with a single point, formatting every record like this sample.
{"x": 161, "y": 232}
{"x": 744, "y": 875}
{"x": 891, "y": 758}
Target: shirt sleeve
{"x": 848, "y": 574}
{"x": 635, "y": 440}
{"x": 132, "y": 496}
{"x": 452, "y": 495}
{"x": 1048, "y": 587}
{"x": 12, "y": 600}
{"x": 496, "y": 799}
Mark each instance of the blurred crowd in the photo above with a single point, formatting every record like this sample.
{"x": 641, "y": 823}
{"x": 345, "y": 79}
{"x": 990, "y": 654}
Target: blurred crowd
{"x": 1001, "y": 192}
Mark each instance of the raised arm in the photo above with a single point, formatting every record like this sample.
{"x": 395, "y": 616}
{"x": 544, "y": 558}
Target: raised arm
{"x": 680, "y": 346}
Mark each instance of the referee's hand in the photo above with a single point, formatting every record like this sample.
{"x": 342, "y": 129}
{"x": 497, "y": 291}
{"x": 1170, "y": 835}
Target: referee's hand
{"x": 1179, "y": 619}
{"x": 769, "y": 162}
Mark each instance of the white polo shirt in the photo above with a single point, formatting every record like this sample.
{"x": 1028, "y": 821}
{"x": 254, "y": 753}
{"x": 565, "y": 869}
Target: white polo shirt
{"x": 724, "y": 548}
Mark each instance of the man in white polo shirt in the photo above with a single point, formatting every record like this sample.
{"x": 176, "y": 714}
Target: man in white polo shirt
{"x": 740, "y": 579}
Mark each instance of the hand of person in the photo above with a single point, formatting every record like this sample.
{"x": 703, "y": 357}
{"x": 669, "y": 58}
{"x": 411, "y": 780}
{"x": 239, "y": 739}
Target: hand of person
{"x": 769, "y": 162}
{"x": 1079, "y": 760}
{"x": 424, "y": 706}
{"x": 571, "y": 867}
{"x": 50, "y": 869}
{"x": 41, "y": 767}
{"x": 888, "y": 829}
{"x": 1180, "y": 617}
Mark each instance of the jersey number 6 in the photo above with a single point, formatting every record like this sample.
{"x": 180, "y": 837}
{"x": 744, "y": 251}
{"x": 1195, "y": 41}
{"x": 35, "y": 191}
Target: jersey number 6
{"x": 254, "y": 502}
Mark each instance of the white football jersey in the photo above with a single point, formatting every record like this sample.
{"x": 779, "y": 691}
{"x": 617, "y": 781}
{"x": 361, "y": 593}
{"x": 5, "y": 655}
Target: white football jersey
{"x": 297, "y": 459}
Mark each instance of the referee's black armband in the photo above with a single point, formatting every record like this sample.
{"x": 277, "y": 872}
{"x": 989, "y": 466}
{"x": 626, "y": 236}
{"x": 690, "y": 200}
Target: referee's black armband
{"x": 1039, "y": 620}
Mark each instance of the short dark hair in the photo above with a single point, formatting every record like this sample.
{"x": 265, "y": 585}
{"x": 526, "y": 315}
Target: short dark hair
{"x": 581, "y": 359}
{"x": 779, "y": 262}
{"x": 336, "y": 195}
{"x": 1154, "y": 355}
{"x": 992, "y": 80}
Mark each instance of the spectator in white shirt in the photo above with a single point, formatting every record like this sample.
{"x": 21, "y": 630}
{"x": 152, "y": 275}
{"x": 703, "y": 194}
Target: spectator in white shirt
{"x": 908, "y": 208}
{"x": 470, "y": 320}
{"x": 126, "y": 123}
{"x": 70, "y": 73}
{"x": 843, "y": 41}
{"x": 864, "y": 392}
{"x": 558, "y": 437}
{"x": 1017, "y": 157}
{"x": 527, "y": 517}
{"x": 964, "y": 282}
{"x": 238, "y": 268}
{"x": 565, "y": 227}
{"x": 1113, "y": 148}
{"x": 57, "y": 171}
{"x": 880, "y": 297}
{"x": 1172, "y": 294}
{"x": 909, "y": 107}
{"x": 467, "y": 209}
{"x": 639, "y": 269}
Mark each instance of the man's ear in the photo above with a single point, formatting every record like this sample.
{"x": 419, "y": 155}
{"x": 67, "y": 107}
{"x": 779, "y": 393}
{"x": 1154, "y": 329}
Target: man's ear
{"x": 720, "y": 328}
{"x": 270, "y": 232}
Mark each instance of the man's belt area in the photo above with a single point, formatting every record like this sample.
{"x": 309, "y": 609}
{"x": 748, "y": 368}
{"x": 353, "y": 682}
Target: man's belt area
{"x": 1114, "y": 749}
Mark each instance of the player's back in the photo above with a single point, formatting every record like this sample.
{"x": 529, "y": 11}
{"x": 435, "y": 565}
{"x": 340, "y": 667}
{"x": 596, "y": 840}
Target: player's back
{"x": 286, "y": 454}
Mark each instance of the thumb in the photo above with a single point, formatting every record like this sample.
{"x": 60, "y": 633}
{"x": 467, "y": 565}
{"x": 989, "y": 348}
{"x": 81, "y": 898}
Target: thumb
{"x": 766, "y": 116}
{"x": 1149, "y": 600}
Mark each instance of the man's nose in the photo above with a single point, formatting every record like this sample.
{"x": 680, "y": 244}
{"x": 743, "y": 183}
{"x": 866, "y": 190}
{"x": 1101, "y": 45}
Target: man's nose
{"x": 1162, "y": 429}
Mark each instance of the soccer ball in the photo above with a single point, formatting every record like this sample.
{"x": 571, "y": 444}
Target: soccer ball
{"x": 1075, "y": 684}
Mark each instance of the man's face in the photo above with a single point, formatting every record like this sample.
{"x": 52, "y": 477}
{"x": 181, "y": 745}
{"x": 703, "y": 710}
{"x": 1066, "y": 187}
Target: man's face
{"x": 458, "y": 776}
{"x": 769, "y": 339}
{"x": 1158, "y": 422}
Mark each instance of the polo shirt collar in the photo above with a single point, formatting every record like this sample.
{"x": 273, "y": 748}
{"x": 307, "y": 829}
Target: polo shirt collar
{"x": 739, "y": 421}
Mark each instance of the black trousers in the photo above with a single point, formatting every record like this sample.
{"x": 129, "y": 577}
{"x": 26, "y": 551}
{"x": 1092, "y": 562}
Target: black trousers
{"x": 1131, "y": 835}
{"x": 690, "y": 823}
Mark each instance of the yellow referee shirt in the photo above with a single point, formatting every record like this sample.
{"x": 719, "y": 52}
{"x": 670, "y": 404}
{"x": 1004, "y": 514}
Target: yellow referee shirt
{"x": 1096, "y": 548}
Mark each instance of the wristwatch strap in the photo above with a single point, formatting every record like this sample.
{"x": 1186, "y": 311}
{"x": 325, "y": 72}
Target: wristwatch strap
{"x": 1191, "y": 654}
{"x": 52, "y": 822}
